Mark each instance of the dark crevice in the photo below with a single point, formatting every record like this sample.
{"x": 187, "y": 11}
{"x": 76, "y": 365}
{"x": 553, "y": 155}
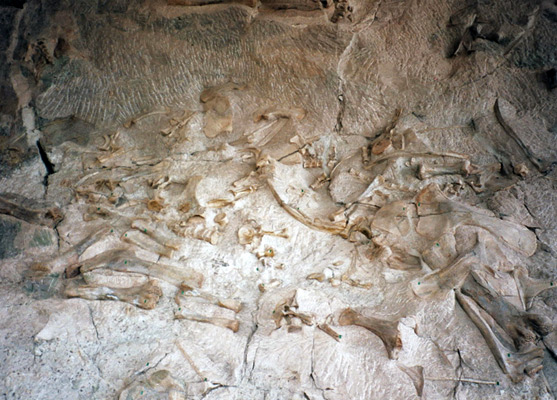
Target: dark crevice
{"x": 340, "y": 115}
{"x": 46, "y": 161}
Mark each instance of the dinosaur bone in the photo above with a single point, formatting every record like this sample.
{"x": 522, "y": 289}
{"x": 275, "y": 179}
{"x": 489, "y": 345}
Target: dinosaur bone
{"x": 124, "y": 260}
{"x": 387, "y": 331}
{"x": 188, "y": 291}
{"x": 512, "y": 362}
{"x": 145, "y": 296}
{"x": 232, "y": 324}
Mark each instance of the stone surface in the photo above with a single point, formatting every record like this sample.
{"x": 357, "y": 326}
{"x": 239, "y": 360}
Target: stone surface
{"x": 295, "y": 199}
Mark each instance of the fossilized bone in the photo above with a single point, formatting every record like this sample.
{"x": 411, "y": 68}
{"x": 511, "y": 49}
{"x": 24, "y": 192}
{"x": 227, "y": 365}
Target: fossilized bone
{"x": 442, "y": 281}
{"x": 29, "y": 211}
{"x": 251, "y": 3}
{"x": 221, "y": 219}
{"x": 71, "y": 256}
{"x": 124, "y": 260}
{"x": 387, "y": 331}
{"x": 302, "y": 5}
{"x": 249, "y": 234}
{"x": 145, "y": 242}
{"x": 428, "y": 170}
{"x": 178, "y": 124}
{"x": 156, "y": 234}
{"x": 109, "y": 142}
{"x": 416, "y": 374}
{"x": 329, "y": 331}
{"x": 232, "y": 324}
{"x": 195, "y": 228}
{"x": 506, "y": 116}
{"x": 529, "y": 288}
{"x": 188, "y": 291}
{"x": 145, "y": 296}
{"x": 521, "y": 326}
{"x": 216, "y": 106}
{"x": 512, "y": 362}
{"x": 437, "y": 214}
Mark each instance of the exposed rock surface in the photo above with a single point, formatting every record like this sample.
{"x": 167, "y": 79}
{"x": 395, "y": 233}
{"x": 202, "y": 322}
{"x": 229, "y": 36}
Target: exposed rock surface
{"x": 295, "y": 199}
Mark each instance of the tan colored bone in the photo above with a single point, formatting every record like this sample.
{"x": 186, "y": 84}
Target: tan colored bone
{"x": 12, "y": 205}
{"x": 155, "y": 234}
{"x": 442, "y": 281}
{"x": 124, "y": 260}
{"x": 232, "y": 324}
{"x": 329, "y": 331}
{"x": 145, "y": 242}
{"x": 529, "y": 288}
{"x": 145, "y": 296}
{"x": 188, "y": 291}
{"x": 426, "y": 170}
{"x": 512, "y": 362}
{"x": 387, "y": 331}
{"x": 416, "y": 374}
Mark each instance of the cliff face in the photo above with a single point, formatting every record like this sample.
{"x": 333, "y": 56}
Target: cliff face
{"x": 291, "y": 199}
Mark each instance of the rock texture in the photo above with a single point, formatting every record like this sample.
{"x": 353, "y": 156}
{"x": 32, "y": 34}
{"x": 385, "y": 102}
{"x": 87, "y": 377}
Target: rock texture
{"x": 297, "y": 199}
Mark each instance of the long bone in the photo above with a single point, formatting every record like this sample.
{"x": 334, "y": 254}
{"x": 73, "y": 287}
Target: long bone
{"x": 11, "y": 204}
{"x": 143, "y": 241}
{"x": 387, "y": 331}
{"x": 512, "y": 362}
{"x": 428, "y": 170}
{"x": 124, "y": 260}
{"x": 155, "y": 234}
{"x": 145, "y": 296}
{"x": 188, "y": 291}
{"x": 522, "y": 327}
{"x": 232, "y": 324}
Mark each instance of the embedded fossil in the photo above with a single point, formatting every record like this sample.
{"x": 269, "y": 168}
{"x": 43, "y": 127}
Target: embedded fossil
{"x": 29, "y": 211}
{"x": 387, "y": 331}
{"x": 145, "y": 296}
{"x": 188, "y": 291}
{"x": 125, "y": 260}
{"x": 232, "y": 324}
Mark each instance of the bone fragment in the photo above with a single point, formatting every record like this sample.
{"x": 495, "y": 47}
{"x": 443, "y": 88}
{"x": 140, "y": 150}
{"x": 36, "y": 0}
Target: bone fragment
{"x": 232, "y": 324}
{"x": 329, "y": 331}
{"x": 442, "y": 281}
{"x": 155, "y": 234}
{"x": 512, "y": 362}
{"x": 124, "y": 260}
{"x": 416, "y": 374}
{"x": 387, "y": 331}
{"x": 529, "y": 288}
{"x": 188, "y": 291}
{"x": 145, "y": 242}
{"x": 250, "y": 3}
{"x": 11, "y": 204}
{"x": 522, "y": 327}
{"x": 145, "y": 296}
{"x": 427, "y": 170}
{"x": 221, "y": 219}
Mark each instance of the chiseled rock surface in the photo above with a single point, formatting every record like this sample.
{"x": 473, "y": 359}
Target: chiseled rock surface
{"x": 295, "y": 199}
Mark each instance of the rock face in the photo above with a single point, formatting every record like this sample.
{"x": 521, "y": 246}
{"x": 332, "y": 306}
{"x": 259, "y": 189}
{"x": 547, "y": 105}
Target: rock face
{"x": 295, "y": 199}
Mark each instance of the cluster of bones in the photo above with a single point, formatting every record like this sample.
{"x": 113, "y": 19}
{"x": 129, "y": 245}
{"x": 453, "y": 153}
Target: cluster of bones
{"x": 395, "y": 197}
